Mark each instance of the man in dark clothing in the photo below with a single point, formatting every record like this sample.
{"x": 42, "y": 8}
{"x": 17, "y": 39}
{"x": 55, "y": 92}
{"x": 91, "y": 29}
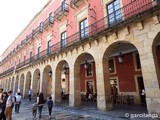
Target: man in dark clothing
{"x": 50, "y": 105}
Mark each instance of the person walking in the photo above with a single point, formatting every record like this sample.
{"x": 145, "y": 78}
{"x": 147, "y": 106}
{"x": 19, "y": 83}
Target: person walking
{"x": 40, "y": 101}
{"x": 9, "y": 106}
{"x": 29, "y": 94}
{"x": 4, "y": 99}
{"x": 18, "y": 102}
{"x": 143, "y": 97}
{"x": 50, "y": 106}
{"x": 34, "y": 109}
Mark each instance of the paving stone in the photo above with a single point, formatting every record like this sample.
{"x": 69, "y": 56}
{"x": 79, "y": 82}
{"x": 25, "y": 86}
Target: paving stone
{"x": 84, "y": 112}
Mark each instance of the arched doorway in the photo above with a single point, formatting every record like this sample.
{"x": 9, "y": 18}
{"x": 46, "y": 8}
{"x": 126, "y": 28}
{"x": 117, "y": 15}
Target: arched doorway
{"x": 47, "y": 81}
{"x": 121, "y": 61}
{"x": 21, "y": 83}
{"x": 62, "y": 81}
{"x": 28, "y": 83}
{"x": 36, "y": 82}
{"x": 85, "y": 79}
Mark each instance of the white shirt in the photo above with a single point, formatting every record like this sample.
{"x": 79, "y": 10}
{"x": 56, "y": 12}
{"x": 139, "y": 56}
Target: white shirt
{"x": 143, "y": 92}
{"x": 18, "y": 98}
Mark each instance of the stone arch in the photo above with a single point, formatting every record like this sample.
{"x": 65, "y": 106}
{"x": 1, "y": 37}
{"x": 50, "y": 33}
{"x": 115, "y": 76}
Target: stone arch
{"x": 28, "y": 82}
{"x": 127, "y": 51}
{"x": 21, "y": 83}
{"x": 156, "y": 56}
{"x": 58, "y": 78}
{"x": 47, "y": 81}
{"x": 16, "y": 84}
{"x": 36, "y": 82}
{"x": 79, "y": 63}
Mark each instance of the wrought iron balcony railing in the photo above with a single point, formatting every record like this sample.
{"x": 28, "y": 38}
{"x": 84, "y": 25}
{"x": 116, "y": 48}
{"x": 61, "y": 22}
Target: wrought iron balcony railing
{"x": 100, "y": 27}
{"x": 39, "y": 29}
{"x": 49, "y": 21}
{"x": 61, "y": 11}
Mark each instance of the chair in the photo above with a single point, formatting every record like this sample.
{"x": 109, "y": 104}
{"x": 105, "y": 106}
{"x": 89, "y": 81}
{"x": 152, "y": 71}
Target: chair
{"x": 119, "y": 99}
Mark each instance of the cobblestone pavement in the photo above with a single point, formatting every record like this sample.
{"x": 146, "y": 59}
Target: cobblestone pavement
{"x": 87, "y": 111}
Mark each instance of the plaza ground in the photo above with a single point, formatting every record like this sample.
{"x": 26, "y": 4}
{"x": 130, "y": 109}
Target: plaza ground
{"x": 87, "y": 111}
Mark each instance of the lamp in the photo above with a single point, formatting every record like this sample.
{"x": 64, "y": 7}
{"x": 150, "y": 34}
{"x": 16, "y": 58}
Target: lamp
{"x": 65, "y": 69}
{"x": 86, "y": 64}
{"x": 120, "y": 59}
{"x": 50, "y": 73}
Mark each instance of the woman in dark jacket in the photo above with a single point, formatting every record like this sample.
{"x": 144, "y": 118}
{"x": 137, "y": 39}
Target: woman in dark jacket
{"x": 40, "y": 101}
{"x": 4, "y": 99}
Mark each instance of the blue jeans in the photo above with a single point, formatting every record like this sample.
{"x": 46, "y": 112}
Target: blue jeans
{"x": 40, "y": 110}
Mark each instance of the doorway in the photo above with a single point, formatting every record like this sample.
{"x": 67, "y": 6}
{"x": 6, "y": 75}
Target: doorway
{"x": 140, "y": 86}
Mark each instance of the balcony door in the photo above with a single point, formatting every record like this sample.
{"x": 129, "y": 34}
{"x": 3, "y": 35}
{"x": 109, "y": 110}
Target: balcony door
{"x": 49, "y": 47}
{"x": 114, "y": 12}
{"x": 83, "y": 29}
{"x": 63, "y": 40}
{"x": 38, "y": 52}
{"x": 31, "y": 56}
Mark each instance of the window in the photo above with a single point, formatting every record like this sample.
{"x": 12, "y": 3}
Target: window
{"x": 41, "y": 27}
{"x": 38, "y": 52}
{"x": 83, "y": 29}
{"x": 114, "y": 12}
{"x": 63, "y": 6}
{"x": 63, "y": 40}
{"x": 49, "y": 47}
{"x": 111, "y": 66}
{"x": 30, "y": 56}
{"x": 24, "y": 59}
{"x": 50, "y": 18}
{"x": 19, "y": 60}
{"x": 89, "y": 70}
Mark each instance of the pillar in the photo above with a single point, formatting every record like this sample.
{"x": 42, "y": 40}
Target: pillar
{"x": 74, "y": 85}
{"x": 104, "y": 100}
{"x": 151, "y": 82}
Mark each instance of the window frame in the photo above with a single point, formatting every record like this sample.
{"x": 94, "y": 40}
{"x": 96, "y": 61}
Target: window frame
{"x": 114, "y": 12}
{"x": 63, "y": 41}
{"x": 85, "y": 29}
{"x": 89, "y": 71}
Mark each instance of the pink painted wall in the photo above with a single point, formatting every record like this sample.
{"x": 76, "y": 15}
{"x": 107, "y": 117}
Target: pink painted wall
{"x": 43, "y": 15}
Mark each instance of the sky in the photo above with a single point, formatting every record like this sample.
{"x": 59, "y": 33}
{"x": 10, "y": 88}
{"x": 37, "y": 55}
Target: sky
{"x": 15, "y": 16}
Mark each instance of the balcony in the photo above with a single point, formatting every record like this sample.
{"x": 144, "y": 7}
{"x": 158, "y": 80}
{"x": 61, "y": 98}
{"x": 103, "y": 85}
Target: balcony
{"x": 101, "y": 27}
{"x": 48, "y": 23}
{"x": 76, "y": 3}
{"x": 61, "y": 11}
{"x": 39, "y": 29}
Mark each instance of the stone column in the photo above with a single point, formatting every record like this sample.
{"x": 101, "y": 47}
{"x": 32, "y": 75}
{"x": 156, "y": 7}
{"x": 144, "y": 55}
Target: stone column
{"x": 104, "y": 101}
{"x": 56, "y": 84}
{"x": 151, "y": 82}
{"x": 74, "y": 85}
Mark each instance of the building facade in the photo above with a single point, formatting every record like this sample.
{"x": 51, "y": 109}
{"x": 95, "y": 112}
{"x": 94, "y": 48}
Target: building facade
{"x": 83, "y": 46}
